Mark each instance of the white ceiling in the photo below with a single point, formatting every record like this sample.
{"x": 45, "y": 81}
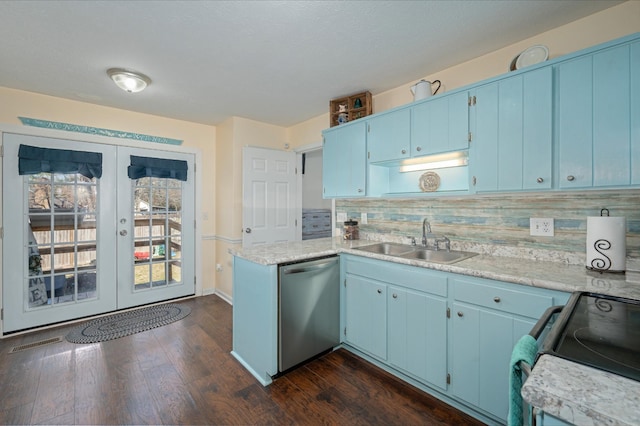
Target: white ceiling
{"x": 278, "y": 62}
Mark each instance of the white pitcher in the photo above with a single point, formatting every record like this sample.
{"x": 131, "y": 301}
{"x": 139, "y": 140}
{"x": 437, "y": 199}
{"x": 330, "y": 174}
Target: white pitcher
{"x": 422, "y": 89}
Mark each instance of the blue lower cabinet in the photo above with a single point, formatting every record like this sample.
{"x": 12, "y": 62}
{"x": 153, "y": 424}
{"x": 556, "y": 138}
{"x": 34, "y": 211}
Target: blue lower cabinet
{"x": 366, "y": 315}
{"x": 417, "y": 335}
{"x": 255, "y": 318}
{"x": 482, "y": 341}
{"x": 487, "y": 319}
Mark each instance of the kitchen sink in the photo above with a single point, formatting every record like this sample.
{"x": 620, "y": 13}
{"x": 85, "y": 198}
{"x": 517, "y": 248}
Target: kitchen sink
{"x": 419, "y": 253}
{"x": 390, "y": 249}
{"x": 438, "y": 256}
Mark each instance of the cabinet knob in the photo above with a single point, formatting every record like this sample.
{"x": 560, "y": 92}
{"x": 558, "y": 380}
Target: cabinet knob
{"x": 404, "y": 151}
{"x": 359, "y": 189}
{"x": 539, "y": 180}
{"x": 496, "y": 299}
{"x": 395, "y": 296}
{"x": 571, "y": 178}
{"x": 460, "y": 314}
{"x": 379, "y": 291}
{"x": 418, "y": 149}
{"x": 123, "y": 232}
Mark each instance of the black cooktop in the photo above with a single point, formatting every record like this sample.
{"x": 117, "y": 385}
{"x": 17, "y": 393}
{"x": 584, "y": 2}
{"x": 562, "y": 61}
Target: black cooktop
{"x": 600, "y": 331}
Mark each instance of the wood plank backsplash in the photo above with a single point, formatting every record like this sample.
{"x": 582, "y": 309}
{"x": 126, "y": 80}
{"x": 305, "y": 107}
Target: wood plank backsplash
{"x": 500, "y": 219}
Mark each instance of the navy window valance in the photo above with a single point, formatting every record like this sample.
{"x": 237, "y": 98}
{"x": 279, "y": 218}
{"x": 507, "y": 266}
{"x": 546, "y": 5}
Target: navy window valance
{"x": 34, "y": 160}
{"x": 157, "y": 167}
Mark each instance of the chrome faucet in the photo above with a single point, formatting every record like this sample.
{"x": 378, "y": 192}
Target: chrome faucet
{"x": 426, "y": 230}
{"x": 426, "y": 234}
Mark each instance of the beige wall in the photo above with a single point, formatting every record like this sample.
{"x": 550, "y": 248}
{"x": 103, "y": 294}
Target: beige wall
{"x": 610, "y": 24}
{"x": 234, "y": 134}
{"x": 16, "y": 103}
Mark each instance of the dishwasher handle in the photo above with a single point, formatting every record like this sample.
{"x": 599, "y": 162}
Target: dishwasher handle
{"x": 308, "y": 268}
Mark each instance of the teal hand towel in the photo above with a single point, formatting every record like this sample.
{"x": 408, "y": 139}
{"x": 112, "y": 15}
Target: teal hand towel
{"x": 525, "y": 350}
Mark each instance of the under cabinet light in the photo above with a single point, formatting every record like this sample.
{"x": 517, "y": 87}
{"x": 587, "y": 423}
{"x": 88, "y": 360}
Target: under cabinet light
{"x": 437, "y": 161}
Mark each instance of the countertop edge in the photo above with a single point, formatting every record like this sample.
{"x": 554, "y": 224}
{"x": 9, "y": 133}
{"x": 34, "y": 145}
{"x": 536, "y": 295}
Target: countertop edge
{"x": 582, "y": 395}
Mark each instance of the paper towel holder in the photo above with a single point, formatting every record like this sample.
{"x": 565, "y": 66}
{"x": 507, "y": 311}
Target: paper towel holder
{"x": 601, "y": 263}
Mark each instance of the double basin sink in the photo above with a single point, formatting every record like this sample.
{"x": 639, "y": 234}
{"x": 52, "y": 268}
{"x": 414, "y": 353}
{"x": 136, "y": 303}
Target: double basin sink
{"x": 417, "y": 252}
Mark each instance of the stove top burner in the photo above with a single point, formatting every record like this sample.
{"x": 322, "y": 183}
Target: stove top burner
{"x": 600, "y": 331}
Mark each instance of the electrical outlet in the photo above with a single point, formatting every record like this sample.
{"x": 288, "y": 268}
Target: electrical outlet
{"x": 541, "y": 226}
{"x": 341, "y": 216}
{"x": 363, "y": 218}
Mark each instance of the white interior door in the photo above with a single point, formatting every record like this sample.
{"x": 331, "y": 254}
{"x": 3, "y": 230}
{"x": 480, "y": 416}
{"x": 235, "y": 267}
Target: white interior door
{"x": 269, "y": 196}
{"x": 75, "y": 247}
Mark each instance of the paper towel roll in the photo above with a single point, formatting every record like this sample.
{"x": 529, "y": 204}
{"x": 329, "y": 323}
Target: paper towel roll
{"x": 606, "y": 243}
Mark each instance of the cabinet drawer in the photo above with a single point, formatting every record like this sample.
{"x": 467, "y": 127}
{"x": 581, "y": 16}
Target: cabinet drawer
{"x": 412, "y": 277}
{"x": 515, "y": 301}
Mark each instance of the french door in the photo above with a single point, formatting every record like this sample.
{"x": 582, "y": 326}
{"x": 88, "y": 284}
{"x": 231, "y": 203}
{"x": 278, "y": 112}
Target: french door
{"x": 76, "y": 246}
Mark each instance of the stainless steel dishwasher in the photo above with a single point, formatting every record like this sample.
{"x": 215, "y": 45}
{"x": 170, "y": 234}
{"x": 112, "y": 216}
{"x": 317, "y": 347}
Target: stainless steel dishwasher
{"x": 308, "y": 310}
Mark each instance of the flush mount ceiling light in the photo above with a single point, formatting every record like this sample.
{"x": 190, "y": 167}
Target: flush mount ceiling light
{"x": 128, "y": 81}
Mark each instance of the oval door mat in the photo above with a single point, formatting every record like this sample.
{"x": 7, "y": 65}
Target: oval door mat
{"x": 127, "y": 323}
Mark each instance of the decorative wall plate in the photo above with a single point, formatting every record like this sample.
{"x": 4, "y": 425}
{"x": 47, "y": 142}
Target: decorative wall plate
{"x": 429, "y": 181}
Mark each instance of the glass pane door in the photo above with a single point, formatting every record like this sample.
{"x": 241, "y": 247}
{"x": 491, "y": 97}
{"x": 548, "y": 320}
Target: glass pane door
{"x": 58, "y": 255}
{"x": 156, "y": 242}
{"x": 75, "y": 247}
{"x": 157, "y": 212}
{"x": 62, "y": 238}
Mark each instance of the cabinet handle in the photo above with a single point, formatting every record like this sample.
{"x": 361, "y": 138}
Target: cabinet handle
{"x": 395, "y": 296}
{"x": 418, "y": 149}
{"x": 571, "y": 178}
{"x": 540, "y": 180}
{"x": 460, "y": 314}
{"x": 379, "y": 291}
{"x": 404, "y": 151}
{"x": 496, "y": 299}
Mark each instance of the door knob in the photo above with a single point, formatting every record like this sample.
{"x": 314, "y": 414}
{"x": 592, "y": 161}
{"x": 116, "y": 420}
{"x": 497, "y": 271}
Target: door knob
{"x": 123, "y": 232}
{"x": 248, "y": 230}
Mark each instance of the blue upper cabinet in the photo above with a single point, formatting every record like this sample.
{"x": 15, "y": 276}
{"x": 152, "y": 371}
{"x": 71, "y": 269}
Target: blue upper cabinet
{"x": 440, "y": 124}
{"x": 598, "y": 127}
{"x": 570, "y": 123}
{"x": 513, "y": 133}
{"x": 344, "y": 161}
{"x": 388, "y": 136}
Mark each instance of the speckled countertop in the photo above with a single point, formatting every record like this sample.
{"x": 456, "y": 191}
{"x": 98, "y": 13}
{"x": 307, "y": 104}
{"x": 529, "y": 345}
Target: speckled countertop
{"x": 569, "y": 391}
{"x": 544, "y": 274}
{"x": 582, "y": 395}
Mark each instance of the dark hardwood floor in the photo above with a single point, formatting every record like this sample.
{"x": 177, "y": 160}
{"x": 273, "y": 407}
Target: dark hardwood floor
{"x": 183, "y": 373}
